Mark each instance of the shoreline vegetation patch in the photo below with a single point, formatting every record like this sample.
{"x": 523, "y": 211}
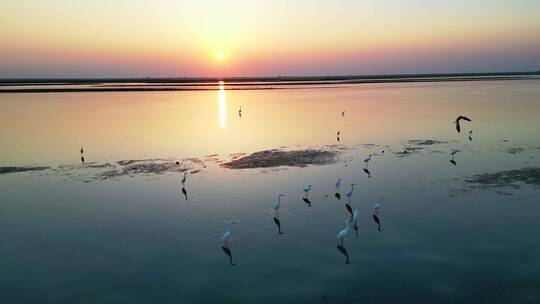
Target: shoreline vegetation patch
{"x": 506, "y": 179}
{"x": 278, "y": 158}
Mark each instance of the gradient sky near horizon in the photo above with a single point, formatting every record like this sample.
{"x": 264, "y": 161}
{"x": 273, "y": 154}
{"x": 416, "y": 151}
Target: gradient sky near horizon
{"x": 160, "y": 38}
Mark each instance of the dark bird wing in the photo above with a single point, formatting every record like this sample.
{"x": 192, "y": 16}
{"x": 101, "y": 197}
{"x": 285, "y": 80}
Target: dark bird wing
{"x": 458, "y": 128}
{"x": 464, "y": 118}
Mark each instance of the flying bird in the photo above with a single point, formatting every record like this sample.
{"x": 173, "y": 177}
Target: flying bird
{"x": 470, "y": 135}
{"x": 458, "y": 127}
{"x": 82, "y": 150}
{"x": 343, "y": 113}
{"x": 240, "y": 111}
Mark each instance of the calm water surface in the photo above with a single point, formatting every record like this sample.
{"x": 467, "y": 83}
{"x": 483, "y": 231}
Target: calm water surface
{"x": 136, "y": 239}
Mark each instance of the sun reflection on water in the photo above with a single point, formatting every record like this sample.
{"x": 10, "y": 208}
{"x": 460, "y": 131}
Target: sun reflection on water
{"x": 222, "y": 105}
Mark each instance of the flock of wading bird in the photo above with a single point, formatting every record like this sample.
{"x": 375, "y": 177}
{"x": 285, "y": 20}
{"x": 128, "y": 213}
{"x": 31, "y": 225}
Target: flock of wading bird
{"x": 352, "y": 219}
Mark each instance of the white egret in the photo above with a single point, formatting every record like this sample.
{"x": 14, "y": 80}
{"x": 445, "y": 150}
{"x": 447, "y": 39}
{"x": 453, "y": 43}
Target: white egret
{"x": 355, "y": 215}
{"x": 307, "y": 189}
{"x": 367, "y": 159}
{"x": 338, "y": 183}
{"x": 343, "y": 233}
{"x": 377, "y": 204}
{"x": 227, "y": 235}
{"x": 278, "y": 204}
{"x": 349, "y": 194}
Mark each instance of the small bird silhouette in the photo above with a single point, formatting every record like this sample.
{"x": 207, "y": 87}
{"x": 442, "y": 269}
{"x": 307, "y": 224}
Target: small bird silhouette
{"x": 458, "y": 127}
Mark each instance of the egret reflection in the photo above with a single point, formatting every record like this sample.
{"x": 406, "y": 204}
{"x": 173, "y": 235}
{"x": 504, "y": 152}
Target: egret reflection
{"x": 222, "y": 105}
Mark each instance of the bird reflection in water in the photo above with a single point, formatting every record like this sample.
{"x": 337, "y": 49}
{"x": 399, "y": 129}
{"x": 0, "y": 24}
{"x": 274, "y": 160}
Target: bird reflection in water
{"x": 228, "y": 253}
{"x": 376, "y": 208}
{"x": 278, "y": 224}
{"x": 452, "y": 153}
{"x": 343, "y": 251}
{"x": 184, "y": 192}
{"x": 367, "y": 172}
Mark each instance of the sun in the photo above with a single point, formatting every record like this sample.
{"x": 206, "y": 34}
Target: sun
{"x": 220, "y": 55}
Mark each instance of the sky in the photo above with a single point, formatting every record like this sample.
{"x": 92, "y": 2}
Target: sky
{"x": 173, "y": 38}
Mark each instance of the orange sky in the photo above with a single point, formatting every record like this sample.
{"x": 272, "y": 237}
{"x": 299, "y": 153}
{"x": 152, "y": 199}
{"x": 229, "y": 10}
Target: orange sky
{"x": 120, "y": 38}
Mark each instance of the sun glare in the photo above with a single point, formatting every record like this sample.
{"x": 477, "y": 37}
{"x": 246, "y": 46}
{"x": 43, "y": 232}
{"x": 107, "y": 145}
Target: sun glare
{"x": 220, "y": 55}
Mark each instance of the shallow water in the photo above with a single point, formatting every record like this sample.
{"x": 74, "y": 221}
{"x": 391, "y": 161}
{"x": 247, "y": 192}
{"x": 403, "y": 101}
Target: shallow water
{"x": 70, "y": 235}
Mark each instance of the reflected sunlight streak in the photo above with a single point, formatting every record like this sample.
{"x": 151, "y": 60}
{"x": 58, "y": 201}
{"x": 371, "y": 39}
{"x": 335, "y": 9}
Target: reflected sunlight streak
{"x": 222, "y": 105}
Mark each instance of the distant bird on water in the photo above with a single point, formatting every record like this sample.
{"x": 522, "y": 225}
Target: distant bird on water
{"x": 227, "y": 235}
{"x": 343, "y": 233}
{"x": 458, "y": 127}
{"x": 307, "y": 189}
{"x": 366, "y": 161}
{"x": 377, "y": 205}
{"x": 278, "y": 204}
{"x": 338, "y": 183}
{"x": 349, "y": 194}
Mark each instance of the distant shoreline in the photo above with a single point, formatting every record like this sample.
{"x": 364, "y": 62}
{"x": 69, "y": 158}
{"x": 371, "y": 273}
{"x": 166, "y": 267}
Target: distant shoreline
{"x": 235, "y": 83}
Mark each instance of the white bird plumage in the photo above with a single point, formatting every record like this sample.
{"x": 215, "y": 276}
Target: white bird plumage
{"x": 377, "y": 204}
{"x": 227, "y": 235}
{"x": 307, "y": 189}
{"x": 278, "y": 203}
{"x": 355, "y": 214}
{"x": 343, "y": 233}
{"x": 349, "y": 194}
{"x": 338, "y": 183}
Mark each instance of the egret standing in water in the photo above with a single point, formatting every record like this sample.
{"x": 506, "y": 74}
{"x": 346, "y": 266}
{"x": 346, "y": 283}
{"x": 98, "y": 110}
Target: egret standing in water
{"x": 306, "y": 190}
{"x": 184, "y": 178}
{"x": 349, "y": 194}
{"x": 343, "y": 233}
{"x": 366, "y": 161}
{"x": 278, "y": 205}
{"x": 227, "y": 235}
{"x": 377, "y": 205}
{"x": 338, "y": 183}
